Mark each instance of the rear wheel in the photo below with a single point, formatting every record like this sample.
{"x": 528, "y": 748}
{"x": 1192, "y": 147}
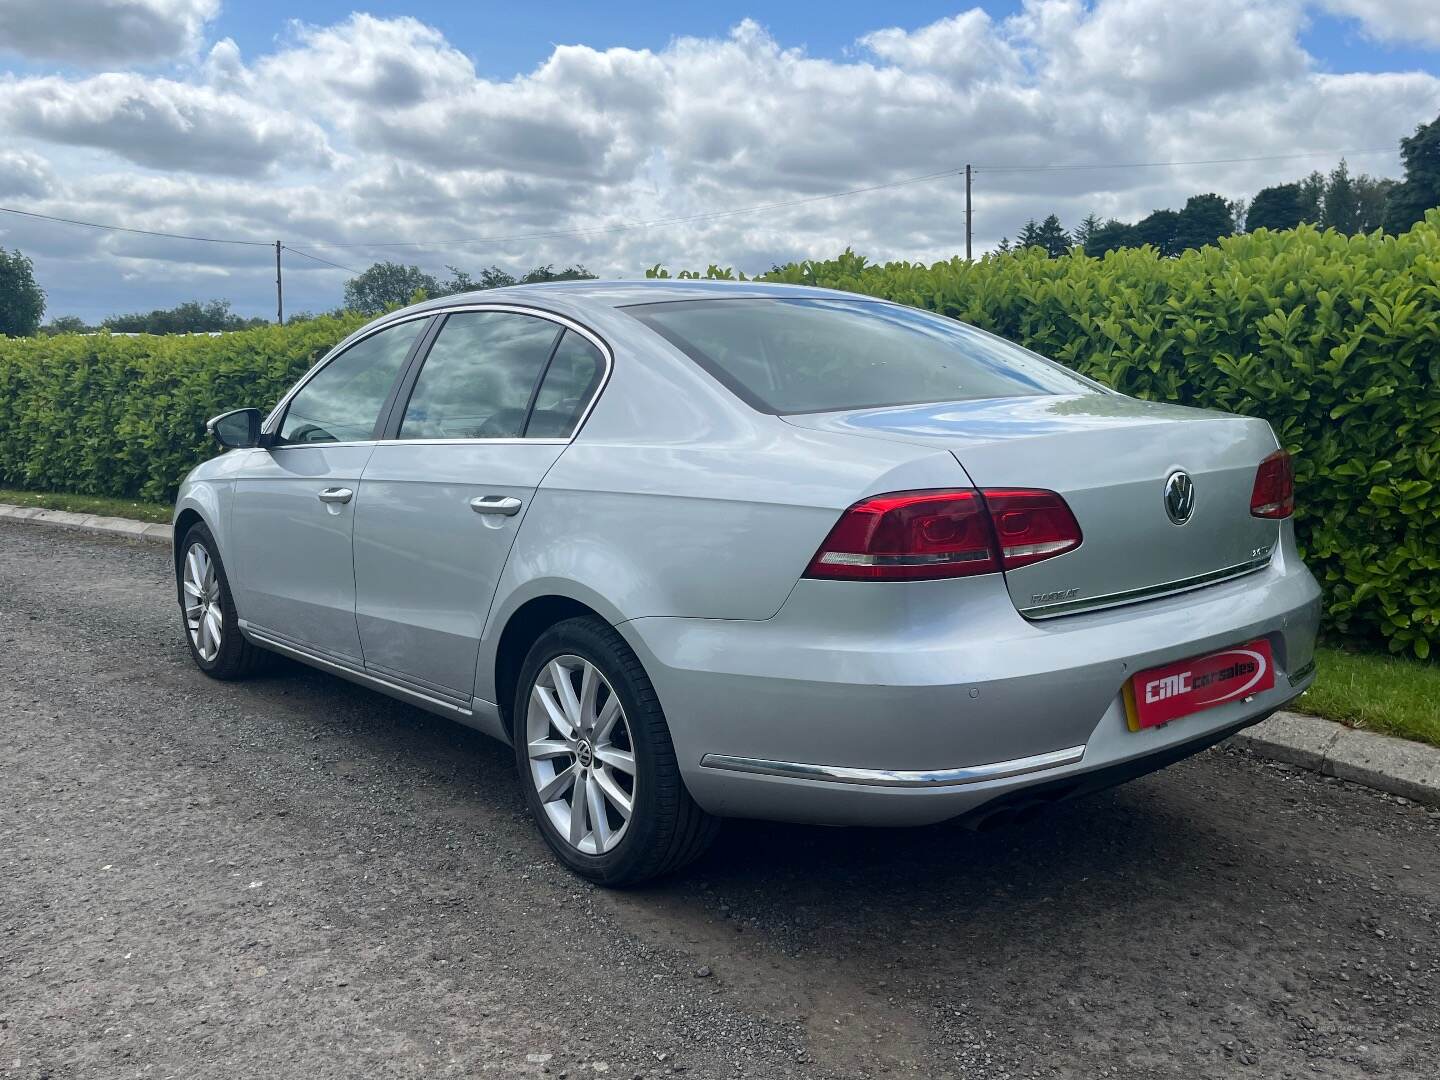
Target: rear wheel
{"x": 212, "y": 629}
{"x": 596, "y": 762}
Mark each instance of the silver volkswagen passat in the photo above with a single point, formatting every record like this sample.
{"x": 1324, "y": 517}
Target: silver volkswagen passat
{"x": 703, "y": 550}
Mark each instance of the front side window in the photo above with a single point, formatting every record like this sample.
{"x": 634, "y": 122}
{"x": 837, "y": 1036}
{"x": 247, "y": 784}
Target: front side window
{"x": 343, "y": 400}
{"x": 479, "y": 377}
{"x": 783, "y": 355}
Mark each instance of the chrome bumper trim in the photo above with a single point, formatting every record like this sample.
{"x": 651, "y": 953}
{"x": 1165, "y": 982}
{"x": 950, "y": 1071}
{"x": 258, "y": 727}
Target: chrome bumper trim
{"x": 1149, "y": 592}
{"x": 839, "y": 774}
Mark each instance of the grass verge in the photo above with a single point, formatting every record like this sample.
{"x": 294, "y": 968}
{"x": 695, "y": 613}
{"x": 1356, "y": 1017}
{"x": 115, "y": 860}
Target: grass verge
{"x": 1375, "y": 692}
{"x": 88, "y": 504}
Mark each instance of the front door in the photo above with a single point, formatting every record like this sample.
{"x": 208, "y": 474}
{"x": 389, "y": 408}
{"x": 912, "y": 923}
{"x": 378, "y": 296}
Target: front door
{"x": 294, "y": 503}
{"x": 492, "y": 407}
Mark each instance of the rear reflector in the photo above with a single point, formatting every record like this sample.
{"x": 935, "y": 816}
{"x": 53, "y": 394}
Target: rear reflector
{"x": 1274, "y": 493}
{"x": 922, "y": 535}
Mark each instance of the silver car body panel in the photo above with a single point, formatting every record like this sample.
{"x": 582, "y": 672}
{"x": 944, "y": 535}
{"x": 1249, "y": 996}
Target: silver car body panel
{"x": 686, "y": 520}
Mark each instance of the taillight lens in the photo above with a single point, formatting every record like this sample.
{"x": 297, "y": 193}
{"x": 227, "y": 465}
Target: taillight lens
{"x": 909, "y": 536}
{"x": 920, "y": 535}
{"x": 1273, "y": 495}
{"x": 1031, "y": 525}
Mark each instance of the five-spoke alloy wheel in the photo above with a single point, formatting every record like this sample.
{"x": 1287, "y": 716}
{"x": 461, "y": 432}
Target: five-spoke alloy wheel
{"x": 596, "y": 760}
{"x": 212, "y": 629}
{"x": 582, "y": 756}
{"x": 204, "y": 618}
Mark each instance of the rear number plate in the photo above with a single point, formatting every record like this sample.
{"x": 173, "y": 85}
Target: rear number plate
{"x": 1167, "y": 693}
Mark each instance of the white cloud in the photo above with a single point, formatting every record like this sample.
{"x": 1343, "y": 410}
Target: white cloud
{"x": 160, "y": 123}
{"x": 382, "y": 129}
{"x": 104, "y": 31}
{"x": 1393, "y": 20}
{"x": 24, "y": 174}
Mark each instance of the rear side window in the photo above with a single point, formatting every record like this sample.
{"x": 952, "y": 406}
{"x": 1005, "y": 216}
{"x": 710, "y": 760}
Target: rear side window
{"x": 341, "y": 403}
{"x": 571, "y": 379}
{"x": 479, "y": 376}
{"x": 799, "y": 355}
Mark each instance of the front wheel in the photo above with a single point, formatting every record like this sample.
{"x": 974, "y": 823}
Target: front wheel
{"x": 596, "y": 762}
{"x": 212, "y": 629}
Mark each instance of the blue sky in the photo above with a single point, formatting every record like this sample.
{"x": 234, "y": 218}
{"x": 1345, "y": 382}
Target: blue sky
{"x": 508, "y": 38}
{"x": 336, "y": 126}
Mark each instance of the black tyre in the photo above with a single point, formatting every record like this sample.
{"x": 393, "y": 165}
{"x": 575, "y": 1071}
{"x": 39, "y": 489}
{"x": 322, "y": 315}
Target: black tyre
{"x": 596, "y": 762}
{"x": 207, "y": 611}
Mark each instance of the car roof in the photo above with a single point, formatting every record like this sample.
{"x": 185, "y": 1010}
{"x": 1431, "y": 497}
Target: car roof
{"x": 616, "y": 294}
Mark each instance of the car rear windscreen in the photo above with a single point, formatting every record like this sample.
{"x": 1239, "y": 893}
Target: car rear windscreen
{"x": 783, "y": 355}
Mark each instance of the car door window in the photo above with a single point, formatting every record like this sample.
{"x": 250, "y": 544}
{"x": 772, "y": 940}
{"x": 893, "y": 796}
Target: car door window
{"x": 479, "y": 376}
{"x": 569, "y": 383}
{"x": 342, "y": 402}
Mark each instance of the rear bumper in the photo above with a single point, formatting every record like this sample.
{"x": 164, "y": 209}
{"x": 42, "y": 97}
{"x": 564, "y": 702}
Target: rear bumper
{"x": 911, "y": 703}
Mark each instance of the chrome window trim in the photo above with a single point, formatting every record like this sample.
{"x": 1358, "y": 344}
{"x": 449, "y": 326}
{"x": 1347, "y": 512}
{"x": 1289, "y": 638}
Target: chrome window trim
{"x": 927, "y": 778}
{"x": 1148, "y": 592}
{"x": 606, "y": 353}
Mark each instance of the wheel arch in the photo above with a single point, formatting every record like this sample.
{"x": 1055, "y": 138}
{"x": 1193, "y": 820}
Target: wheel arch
{"x": 521, "y": 629}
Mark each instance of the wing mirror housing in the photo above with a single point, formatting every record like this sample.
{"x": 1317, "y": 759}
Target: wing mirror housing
{"x": 237, "y": 430}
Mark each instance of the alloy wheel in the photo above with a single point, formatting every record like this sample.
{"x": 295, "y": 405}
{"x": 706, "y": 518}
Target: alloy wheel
{"x": 204, "y": 618}
{"x": 582, "y": 758}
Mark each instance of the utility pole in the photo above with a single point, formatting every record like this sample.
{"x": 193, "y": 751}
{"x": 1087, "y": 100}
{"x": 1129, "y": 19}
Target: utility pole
{"x": 968, "y": 223}
{"x": 279, "y": 289}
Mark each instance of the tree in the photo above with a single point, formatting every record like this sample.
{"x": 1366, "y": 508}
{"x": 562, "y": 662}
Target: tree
{"x": 1108, "y": 237}
{"x": 387, "y": 285}
{"x": 65, "y": 324}
{"x": 22, "y": 302}
{"x": 1204, "y": 220}
{"x": 495, "y": 278}
{"x": 1004, "y": 246}
{"x": 1086, "y": 229}
{"x": 1238, "y": 209}
{"x": 549, "y": 273}
{"x": 1279, "y": 207}
{"x": 1051, "y": 235}
{"x": 1158, "y": 229}
{"x": 1340, "y": 210}
{"x": 1420, "y": 190}
{"x": 191, "y": 317}
{"x": 1029, "y": 236}
{"x": 1312, "y": 197}
{"x": 1371, "y": 194}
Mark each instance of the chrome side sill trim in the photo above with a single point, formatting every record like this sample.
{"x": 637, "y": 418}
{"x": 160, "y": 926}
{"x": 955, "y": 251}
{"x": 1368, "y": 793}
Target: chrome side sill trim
{"x": 346, "y": 671}
{"x": 939, "y": 778}
{"x": 1149, "y": 592}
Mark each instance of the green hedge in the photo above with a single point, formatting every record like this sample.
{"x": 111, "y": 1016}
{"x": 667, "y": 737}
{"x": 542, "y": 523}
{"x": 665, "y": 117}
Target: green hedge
{"x": 125, "y": 416}
{"x": 1335, "y": 340}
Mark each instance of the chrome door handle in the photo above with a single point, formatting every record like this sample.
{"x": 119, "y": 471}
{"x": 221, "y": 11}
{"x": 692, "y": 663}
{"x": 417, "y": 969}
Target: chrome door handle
{"x": 336, "y": 495}
{"x": 495, "y": 504}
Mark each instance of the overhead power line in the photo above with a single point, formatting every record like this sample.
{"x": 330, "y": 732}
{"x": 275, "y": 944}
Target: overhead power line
{"x": 706, "y": 215}
{"x": 137, "y": 232}
{"x": 1176, "y": 164}
{"x": 318, "y": 259}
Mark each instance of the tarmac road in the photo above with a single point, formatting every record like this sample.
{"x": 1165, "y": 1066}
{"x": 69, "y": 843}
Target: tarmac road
{"x": 295, "y": 877}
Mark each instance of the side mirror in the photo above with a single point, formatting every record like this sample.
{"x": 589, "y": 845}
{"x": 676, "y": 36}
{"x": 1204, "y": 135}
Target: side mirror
{"x": 238, "y": 430}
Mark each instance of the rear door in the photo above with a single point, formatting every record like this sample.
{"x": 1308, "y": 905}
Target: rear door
{"x": 473, "y": 431}
{"x": 294, "y": 502}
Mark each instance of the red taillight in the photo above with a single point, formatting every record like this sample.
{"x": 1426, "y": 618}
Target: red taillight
{"x": 919, "y": 535}
{"x": 1273, "y": 495}
{"x": 1031, "y": 525}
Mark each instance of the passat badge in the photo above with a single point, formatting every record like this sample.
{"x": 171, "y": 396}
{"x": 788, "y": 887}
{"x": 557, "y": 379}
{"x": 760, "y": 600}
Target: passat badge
{"x": 1179, "y": 496}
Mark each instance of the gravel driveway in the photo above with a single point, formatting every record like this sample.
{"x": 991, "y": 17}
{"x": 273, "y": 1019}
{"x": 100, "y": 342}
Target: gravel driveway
{"x": 294, "y": 877}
